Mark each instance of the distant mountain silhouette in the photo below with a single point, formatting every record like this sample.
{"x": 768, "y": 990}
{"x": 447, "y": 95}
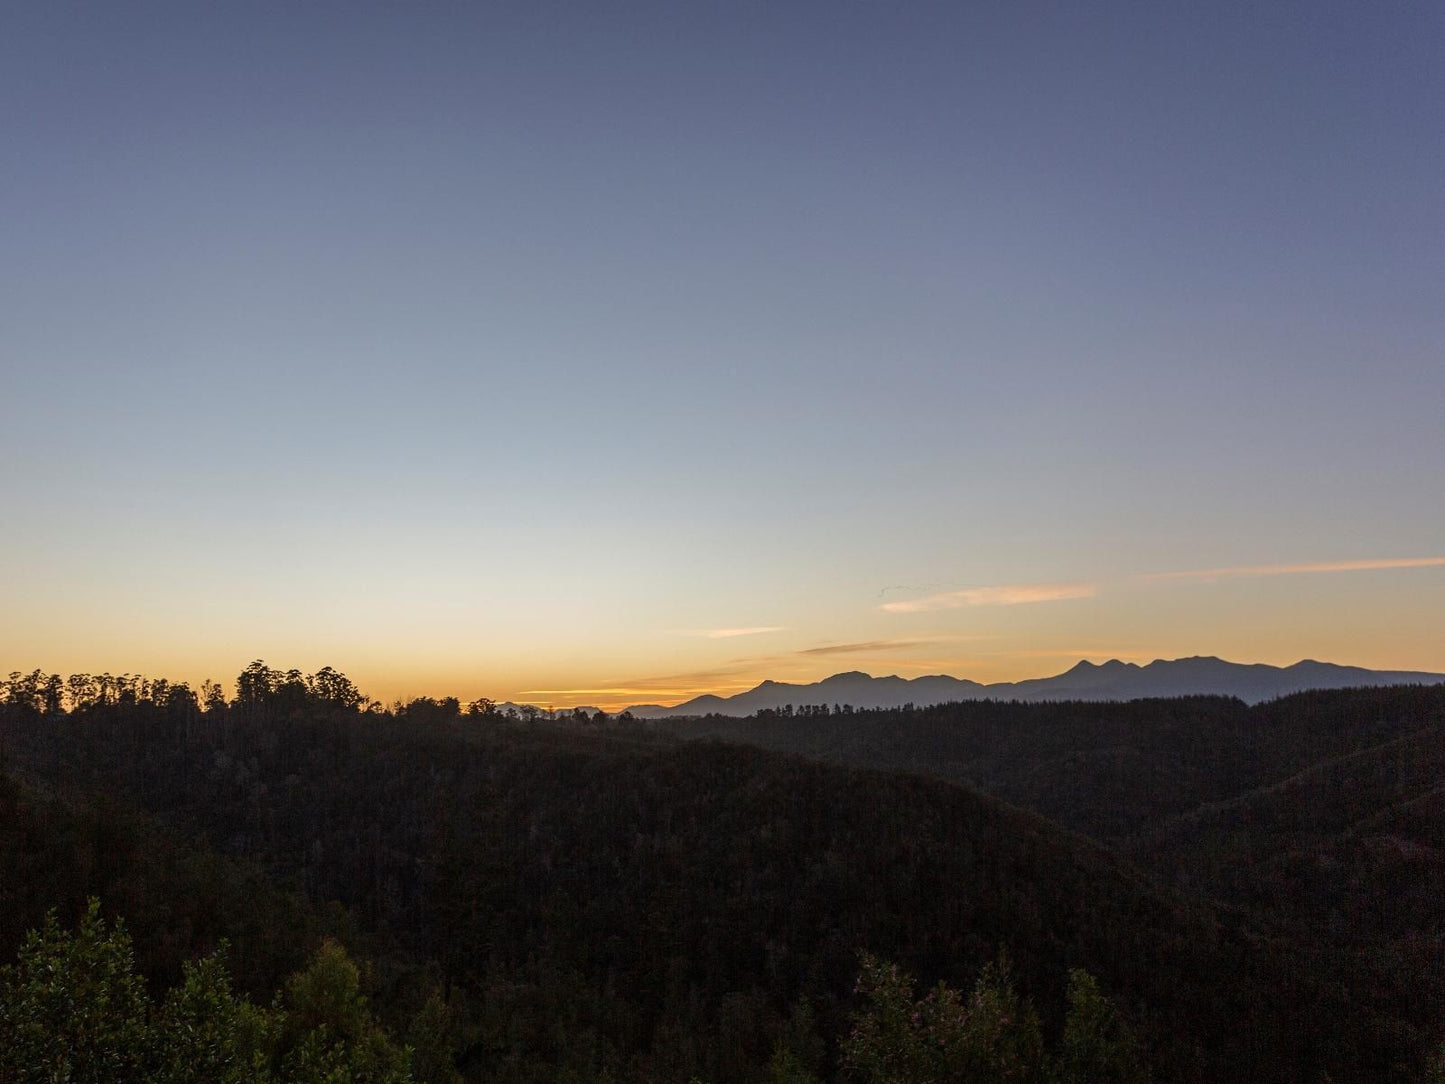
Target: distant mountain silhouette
{"x": 1113, "y": 680}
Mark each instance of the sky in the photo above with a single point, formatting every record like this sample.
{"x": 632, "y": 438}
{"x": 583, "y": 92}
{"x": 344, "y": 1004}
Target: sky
{"x": 612, "y": 353}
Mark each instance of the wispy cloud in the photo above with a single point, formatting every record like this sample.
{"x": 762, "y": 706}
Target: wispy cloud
{"x": 727, "y": 634}
{"x": 1206, "y": 575}
{"x": 1016, "y": 594}
{"x": 865, "y": 646}
{"x": 721, "y": 679}
{"x": 1123, "y": 654}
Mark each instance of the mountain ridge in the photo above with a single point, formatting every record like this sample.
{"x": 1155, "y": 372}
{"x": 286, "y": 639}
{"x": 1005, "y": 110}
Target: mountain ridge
{"x": 1195, "y": 675}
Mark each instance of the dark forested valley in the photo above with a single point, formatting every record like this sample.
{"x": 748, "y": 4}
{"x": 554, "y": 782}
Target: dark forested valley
{"x": 1176, "y": 890}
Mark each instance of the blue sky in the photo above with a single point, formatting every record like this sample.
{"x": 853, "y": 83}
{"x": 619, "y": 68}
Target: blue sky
{"x": 488, "y": 349}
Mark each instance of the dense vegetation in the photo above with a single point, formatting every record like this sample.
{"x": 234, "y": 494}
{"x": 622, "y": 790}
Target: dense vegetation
{"x": 1321, "y": 814}
{"x": 74, "y": 1008}
{"x": 590, "y": 901}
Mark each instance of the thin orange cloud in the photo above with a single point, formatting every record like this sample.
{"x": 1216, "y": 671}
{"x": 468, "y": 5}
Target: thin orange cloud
{"x": 729, "y": 678}
{"x": 1205, "y": 575}
{"x": 727, "y": 634}
{"x": 864, "y": 646}
{"x": 1017, "y": 594}
{"x": 1069, "y": 653}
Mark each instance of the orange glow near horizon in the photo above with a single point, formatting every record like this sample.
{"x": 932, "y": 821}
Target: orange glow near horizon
{"x": 1270, "y": 613}
{"x": 990, "y": 667}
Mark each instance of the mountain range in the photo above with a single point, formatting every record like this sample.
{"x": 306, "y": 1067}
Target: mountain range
{"x": 1113, "y": 680}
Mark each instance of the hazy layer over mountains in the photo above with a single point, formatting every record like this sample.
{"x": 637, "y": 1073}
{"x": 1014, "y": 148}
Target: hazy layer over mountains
{"x": 1113, "y": 680}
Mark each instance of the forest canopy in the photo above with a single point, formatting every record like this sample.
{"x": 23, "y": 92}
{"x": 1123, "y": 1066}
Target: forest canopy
{"x": 584, "y": 899}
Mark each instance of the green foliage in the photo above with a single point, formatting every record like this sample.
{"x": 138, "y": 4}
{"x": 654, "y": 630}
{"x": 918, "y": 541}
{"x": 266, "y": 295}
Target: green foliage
{"x": 994, "y": 1036}
{"x": 798, "y": 1054}
{"x": 1002, "y": 1037}
{"x": 207, "y": 1032}
{"x": 325, "y": 1058}
{"x": 331, "y": 1033}
{"x": 327, "y": 993}
{"x": 1097, "y": 1047}
{"x": 430, "y": 1038}
{"x": 73, "y": 1009}
{"x": 785, "y": 1067}
{"x": 887, "y": 1044}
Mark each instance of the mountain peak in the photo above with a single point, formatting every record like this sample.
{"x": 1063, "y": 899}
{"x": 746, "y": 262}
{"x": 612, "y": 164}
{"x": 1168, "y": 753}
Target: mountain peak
{"x": 1198, "y": 675}
{"x": 1112, "y": 666}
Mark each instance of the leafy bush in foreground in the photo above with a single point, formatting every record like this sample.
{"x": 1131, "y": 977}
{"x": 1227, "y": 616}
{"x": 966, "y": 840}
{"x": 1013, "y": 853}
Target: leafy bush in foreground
{"x": 73, "y": 1008}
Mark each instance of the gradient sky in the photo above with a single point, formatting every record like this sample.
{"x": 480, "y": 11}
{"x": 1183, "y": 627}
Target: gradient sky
{"x": 611, "y": 353}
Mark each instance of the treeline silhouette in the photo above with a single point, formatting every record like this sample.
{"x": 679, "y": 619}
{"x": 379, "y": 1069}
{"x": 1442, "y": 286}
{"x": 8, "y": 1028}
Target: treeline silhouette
{"x": 597, "y": 900}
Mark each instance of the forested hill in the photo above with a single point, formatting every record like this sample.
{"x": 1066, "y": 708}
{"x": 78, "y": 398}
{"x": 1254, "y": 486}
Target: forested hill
{"x": 614, "y": 904}
{"x": 1319, "y": 814}
{"x": 1111, "y": 770}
